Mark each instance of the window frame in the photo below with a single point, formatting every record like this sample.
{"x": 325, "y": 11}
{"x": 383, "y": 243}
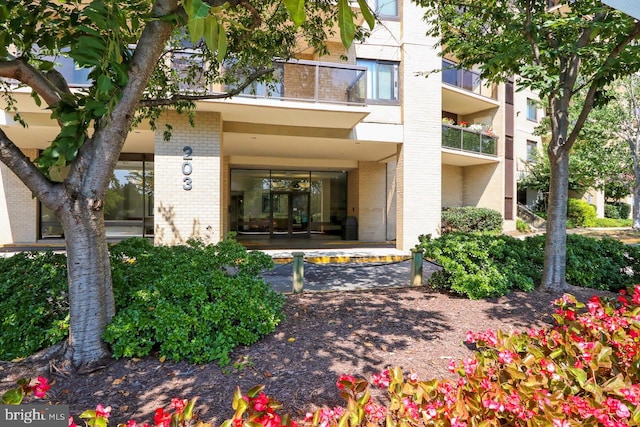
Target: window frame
{"x": 532, "y": 108}
{"x": 373, "y": 70}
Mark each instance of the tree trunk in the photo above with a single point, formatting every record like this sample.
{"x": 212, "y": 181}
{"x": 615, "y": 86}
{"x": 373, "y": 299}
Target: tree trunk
{"x": 636, "y": 203}
{"x": 555, "y": 255}
{"x": 91, "y": 302}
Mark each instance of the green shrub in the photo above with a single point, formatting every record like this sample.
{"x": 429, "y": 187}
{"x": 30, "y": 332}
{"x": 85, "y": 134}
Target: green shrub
{"x": 624, "y": 209}
{"x": 611, "y": 211}
{"x": 194, "y": 303}
{"x": 34, "y": 303}
{"x": 580, "y": 213}
{"x": 522, "y": 226}
{"x": 469, "y": 219}
{"x": 601, "y": 263}
{"x": 480, "y": 266}
{"x": 612, "y": 223}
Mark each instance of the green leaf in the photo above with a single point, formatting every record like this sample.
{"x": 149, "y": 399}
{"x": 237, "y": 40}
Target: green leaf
{"x": 13, "y": 397}
{"x": 222, "y": 43}
{"x": 579, "y": 375}
{"x": 296, "y": 11}
{"x": 196, "y": 29}
{"x": 197, "y": 9}
{"x": 366, "y": 13}
{"x": 345, "y": 23}
{"x": 211, "y": 32}
{"x": 36, "y": 98}
{"x": 255, "y": 390}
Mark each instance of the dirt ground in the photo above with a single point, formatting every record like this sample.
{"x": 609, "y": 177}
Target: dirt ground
{"x": 324, "y": 335}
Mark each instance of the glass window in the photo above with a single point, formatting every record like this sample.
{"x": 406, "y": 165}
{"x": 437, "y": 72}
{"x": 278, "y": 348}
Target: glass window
{"x": 532, "y": 150}
{"x": 128, "y": 205}
{"x": 382, "y": 79}
{"x": 532, "y": 110}
{"x": 384, "y": 7}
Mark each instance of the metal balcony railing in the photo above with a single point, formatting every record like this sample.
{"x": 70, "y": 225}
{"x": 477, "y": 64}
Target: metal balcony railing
{"x": 312, "y": 81}
{"x": 467, "y": 80}
{"x": 463, "y": 139}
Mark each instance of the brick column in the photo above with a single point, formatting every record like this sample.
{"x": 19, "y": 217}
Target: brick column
{"x": 187, "y": 180}
{"x": 420, "y": 158}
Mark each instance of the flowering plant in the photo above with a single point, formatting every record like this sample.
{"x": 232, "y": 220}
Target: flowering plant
{"x": 583, "y": 371}
{"x": 447, "y": 121}
{"x": 476, "y": 127}
{"x": 25, "y": 387}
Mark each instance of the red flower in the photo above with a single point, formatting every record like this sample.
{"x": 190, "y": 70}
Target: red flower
{"x": 260, "y": 402}
{"x": 162, "y": 418}
{"x": 345, "y": 380}
{"x": 41, "y": 387}
{"x": 101, "y": 411}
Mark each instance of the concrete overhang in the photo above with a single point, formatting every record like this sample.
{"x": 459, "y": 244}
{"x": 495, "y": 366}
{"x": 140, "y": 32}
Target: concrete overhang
{"x": 285, "y": 113}
{"x": 464, "y": 158}
{"x": 463, "y": 102}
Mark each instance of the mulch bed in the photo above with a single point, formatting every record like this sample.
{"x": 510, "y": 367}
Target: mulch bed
{"x": 324, "y": 335}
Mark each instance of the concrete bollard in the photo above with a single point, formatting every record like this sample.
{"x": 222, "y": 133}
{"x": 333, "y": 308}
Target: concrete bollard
{"x": 298, "y": 272}
{"x": 416, "y": 266}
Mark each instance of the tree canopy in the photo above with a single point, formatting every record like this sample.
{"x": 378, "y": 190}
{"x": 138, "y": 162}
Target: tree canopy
{"x": 559, "y": 52}
{"x": 142, "y": 56}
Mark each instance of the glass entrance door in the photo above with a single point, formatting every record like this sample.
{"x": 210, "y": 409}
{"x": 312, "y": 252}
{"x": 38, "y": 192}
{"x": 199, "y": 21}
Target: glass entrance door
{"x": 289, "y": 213}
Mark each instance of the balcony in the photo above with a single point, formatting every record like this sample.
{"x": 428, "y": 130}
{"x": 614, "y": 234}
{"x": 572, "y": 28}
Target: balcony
{"x": 310, "y": 81}
{"x": 468, "y": 80}
{"x": 465, "y": 139}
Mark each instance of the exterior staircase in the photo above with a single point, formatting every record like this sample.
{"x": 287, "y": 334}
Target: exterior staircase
{"x": 528, "y": 216}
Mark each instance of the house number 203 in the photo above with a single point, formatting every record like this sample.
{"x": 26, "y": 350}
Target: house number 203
{"x": 187, "y": 168}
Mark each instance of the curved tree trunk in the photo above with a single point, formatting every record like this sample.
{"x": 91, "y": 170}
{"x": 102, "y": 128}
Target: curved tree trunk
{"x": 91, "y": 302}
{"x": 555, "y": 255}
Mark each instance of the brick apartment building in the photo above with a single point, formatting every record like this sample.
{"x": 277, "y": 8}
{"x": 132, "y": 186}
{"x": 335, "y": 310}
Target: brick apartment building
{"x": 369, "y": 149}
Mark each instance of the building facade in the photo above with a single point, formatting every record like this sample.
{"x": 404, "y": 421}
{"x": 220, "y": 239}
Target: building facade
{"x": 369, "y": 149}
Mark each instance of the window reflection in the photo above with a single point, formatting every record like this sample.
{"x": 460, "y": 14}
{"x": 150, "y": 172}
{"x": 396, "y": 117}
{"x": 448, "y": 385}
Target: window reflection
{"x": 128, "y": 204}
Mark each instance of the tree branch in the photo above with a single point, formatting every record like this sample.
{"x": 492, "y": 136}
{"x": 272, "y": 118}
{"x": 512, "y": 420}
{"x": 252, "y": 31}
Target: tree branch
{"x": 176, "y": 98}
{"x": 20, "y": 70}
{"x": 93, "y": 169}
{"x": 595, "y": 84}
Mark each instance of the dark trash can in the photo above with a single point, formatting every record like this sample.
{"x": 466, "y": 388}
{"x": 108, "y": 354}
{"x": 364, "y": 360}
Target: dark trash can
{"x": 350, "y": 229}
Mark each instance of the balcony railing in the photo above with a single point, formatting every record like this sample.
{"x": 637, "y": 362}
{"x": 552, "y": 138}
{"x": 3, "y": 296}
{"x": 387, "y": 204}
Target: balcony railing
{"x": 463, "y": 139}
{"x": 314, "y": 82}
{"x": 467, "y": 80}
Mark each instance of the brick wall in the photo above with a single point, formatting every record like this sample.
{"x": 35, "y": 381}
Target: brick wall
{"x": 18, "y": 208}
{"x": 372, "y": 200}
{"x": 181, "y": 214}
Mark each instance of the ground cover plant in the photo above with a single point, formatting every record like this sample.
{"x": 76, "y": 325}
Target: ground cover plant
{"x": 480, "y": 266}
{"x": 33, "y": 303}
{"x": 195, "y": 302}
{"x": 467, "y": 219}
{"x": 583, "y": 370}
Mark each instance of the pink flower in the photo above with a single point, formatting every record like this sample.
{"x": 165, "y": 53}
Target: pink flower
{"x": 457, "y": 423}
{"x": 71, "y": 423}
{"x": 470, "y": 366}
{"x": 561, "y": 423}
{"x": 260, "y": 402}
{"x": 381, "y": 380}
{"x": 179, "y": 404}
{"x": 41, "y": 387}
{"x": 101, "y": 411}
{"x": 505, "y": 356}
